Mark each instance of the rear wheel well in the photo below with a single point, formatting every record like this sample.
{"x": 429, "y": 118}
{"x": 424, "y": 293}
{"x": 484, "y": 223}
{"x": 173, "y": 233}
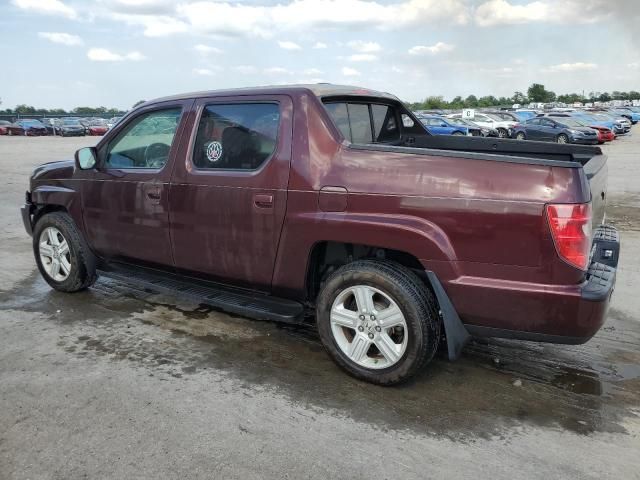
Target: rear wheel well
{"x": 327, "y": 257}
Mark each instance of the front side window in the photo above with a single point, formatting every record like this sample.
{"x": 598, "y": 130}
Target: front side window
{"x": 236, "y": 136}
{"x": 145, "y": 142}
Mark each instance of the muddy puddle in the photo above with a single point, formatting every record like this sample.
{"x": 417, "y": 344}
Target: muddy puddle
{"x": 497, "y": 388}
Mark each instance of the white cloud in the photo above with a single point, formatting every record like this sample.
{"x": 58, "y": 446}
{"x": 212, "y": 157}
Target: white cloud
{"x": 154, "y": 25}
{"x": 570, "y": 67}
{"x": 238, "y": 19}
{"x": 62, "y": 38}
{"x": 319, "y": 45}
{"x": 286, "y": 45}
{"x": 206, "y": 72}
{"x": 145, "y": 7}
{"x": 364, "y": 47}
{"x": 104, "y": 55}
{"x": 503, "y": 12}
{"x": 350, "y": 72}
{"x": 277, "y": 71}
{"x": 51, "y": 7}
{"x": 206, "y": 49}
{"x": 634, "y": 65}
{"x": 312, "y": 71}
{"x": 245, "y": 69}
{"x": 439, "y": 47}
{"x": 362, "y": 57}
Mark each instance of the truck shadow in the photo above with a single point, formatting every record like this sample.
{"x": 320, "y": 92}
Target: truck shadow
{"x": 495, "y": 390}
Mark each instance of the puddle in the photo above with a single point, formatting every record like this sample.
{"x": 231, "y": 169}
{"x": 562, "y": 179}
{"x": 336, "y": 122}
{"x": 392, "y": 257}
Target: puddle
{"x": 495, "y": 388}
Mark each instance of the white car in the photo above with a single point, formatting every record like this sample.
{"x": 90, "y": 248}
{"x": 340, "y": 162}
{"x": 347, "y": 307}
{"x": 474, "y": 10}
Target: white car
{"x": 487, "y": 120}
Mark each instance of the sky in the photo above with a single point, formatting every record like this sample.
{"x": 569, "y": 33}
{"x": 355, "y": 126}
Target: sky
{"x": 112, "y": 53}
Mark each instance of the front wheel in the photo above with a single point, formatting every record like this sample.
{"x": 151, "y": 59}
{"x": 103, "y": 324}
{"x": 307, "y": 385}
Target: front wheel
{"x": 378, "y": 321}
{"x": 457, "y": 133}
{"x": 520, "y": 136}
{"x": 63, "y": 257}
{"x": 502, "y": 133}
{"x": 562, "y": 138}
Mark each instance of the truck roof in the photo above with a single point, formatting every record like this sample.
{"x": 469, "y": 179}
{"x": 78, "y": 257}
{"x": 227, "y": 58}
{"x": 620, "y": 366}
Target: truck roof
{"x": 318, "y": 89}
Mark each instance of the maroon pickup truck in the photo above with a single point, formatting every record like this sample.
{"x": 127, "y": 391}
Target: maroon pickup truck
{"x": 333, "y": 204}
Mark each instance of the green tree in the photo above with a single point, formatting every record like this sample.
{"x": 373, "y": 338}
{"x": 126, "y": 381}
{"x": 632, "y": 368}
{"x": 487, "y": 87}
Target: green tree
{"x": 519, "y": 97}
{"x": 537, "y": 93}
{"x": 471, "y": 101}
{"x": 25, "y": 110}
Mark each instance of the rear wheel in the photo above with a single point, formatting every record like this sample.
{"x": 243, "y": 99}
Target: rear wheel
{"x": 457, "y": 133}
{"x": 62, "y": 255}
{"x": 562, "y": 138}
{"x": 503, "y": 133}
{"x": 520, "y": 136}
{"x": 378, "y": 321}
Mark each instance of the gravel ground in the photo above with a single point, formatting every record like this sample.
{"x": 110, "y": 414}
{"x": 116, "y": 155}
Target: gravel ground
{"x": 117, "y": 383}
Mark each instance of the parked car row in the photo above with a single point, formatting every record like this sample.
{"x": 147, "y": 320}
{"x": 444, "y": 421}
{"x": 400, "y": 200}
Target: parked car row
{"x": 486, "y": 124}
{"x": 64, "y": 127}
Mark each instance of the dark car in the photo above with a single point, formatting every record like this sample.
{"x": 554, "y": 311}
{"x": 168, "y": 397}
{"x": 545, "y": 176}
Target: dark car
{"x": 3, "y": 127}
{"x": 27, "y": 127}
{"x": 476, "y": 130}
{"x": 334, "y": 205}
{"x": 69, "y": 127}
{"x": 560, "y": 130}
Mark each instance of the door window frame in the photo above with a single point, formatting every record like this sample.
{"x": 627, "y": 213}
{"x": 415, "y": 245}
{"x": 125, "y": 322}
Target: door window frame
{"x": 122, "y": 125}
{"x": 200, "y": 109}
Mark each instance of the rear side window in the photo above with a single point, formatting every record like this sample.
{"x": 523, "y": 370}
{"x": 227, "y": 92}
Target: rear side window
{"x": 238, "y": 136}
{"x": 365, "y": 122}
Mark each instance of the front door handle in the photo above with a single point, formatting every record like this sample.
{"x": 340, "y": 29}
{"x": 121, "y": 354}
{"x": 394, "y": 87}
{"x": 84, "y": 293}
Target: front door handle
{"x": 263, "y": 200}
{"x": 153, "y": 193}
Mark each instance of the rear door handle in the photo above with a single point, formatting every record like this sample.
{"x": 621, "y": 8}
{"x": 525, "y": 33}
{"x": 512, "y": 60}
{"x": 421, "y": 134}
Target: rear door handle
{"x": 263, "y": 200}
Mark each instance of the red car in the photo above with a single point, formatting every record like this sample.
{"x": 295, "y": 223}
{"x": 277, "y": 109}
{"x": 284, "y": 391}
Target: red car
{"x": 31, "y": 128}
{"x": 604, "y": 134}
{"x": 97, "y": 130}
{"x": 3, "y": 127}
{"x": 334, "y": 203}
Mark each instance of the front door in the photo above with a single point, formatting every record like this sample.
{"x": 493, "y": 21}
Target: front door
{"x": 125, "y": 200}
{"x": 228, "y": 197}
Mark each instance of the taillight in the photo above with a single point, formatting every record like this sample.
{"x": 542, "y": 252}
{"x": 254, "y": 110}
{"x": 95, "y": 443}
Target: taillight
{"x": 571, "y": 230}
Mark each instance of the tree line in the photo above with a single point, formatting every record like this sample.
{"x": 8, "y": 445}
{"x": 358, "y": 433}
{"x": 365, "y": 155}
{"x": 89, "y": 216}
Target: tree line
{"x": 30, "y": 110}
{"x": 535, "y": 93}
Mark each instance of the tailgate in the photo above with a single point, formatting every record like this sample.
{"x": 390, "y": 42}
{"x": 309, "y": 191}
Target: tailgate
{"x": 596, "y": 172}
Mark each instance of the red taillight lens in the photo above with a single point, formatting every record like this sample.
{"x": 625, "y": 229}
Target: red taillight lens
{"x": 571, "y": 230}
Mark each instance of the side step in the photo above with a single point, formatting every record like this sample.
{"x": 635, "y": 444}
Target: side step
{"x": 240, "y": 302}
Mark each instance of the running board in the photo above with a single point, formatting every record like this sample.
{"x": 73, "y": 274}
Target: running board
{"x": 231, "y": 300}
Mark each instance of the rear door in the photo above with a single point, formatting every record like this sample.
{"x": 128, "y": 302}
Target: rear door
{"x": 229, "y": 192}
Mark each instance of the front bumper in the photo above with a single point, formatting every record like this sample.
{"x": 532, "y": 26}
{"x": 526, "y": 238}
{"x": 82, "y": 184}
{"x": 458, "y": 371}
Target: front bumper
{"x": 26, "y": 212}
{"x": 585, "y": 140}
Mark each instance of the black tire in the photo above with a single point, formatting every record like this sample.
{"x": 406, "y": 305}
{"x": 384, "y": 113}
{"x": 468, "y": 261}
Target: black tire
{"x": 521, "y": 136}
{"x": 83, "y": 262}
{"x": 457, "y": 133}
{"x": 413, "y": 298}
{"x": 503, "y": 133}
{"x": 562, "y": 138}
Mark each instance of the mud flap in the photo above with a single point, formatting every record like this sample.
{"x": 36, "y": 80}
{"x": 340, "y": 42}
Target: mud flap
{"x": 457, "y": 335}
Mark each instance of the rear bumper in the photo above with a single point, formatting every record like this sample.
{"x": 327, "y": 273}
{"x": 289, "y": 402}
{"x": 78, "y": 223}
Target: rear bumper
{"x": 548, "y": 313}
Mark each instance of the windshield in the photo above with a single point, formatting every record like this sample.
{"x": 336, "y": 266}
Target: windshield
{"x": 570, "y": 122}
{"x": 71, "y": 123}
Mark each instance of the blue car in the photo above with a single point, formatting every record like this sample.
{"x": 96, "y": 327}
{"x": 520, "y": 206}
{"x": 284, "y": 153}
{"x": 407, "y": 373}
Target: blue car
{"x": 555, "y": 129}
{"x": 594, "y": 121}
{"x": 442, "y": 126}
{"x": 628, "y": 113}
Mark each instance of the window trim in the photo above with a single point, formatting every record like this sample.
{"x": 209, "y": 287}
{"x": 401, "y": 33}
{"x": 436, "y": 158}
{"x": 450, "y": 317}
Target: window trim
{"x": 194, "y": 135}
{"x": 104, "y": 149}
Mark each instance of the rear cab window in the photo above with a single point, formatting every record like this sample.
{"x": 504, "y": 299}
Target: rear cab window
{"x": 365, "y": 122}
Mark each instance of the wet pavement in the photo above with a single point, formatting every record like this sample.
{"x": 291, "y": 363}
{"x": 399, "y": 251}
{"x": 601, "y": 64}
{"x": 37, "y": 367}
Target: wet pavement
{"x": 117, "y": 382}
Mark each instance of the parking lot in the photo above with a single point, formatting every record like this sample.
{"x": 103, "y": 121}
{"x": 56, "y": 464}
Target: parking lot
{"x": 115, "y": 382}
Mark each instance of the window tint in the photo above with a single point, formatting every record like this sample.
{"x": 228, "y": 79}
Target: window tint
{"x": 354, "y": 121}
{"x": 236, "y": 136}
{"x": 535, "y": 121}
{"x": 385, "y": 125}
{"x": 360, "y": 123}
{"x": 145, "y": 142}
{"x": 547, "y": 123}
{"x": 340, "y": 116}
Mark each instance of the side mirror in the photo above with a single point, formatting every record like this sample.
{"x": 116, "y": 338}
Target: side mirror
{"x": 86, "y": 158}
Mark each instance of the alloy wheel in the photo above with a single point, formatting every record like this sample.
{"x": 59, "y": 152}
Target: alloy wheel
{"x": 55, "y": 254}
{"x": 369, "y": 327}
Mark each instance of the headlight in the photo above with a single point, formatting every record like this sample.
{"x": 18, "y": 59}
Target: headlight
{"x": 575, "y": 132}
